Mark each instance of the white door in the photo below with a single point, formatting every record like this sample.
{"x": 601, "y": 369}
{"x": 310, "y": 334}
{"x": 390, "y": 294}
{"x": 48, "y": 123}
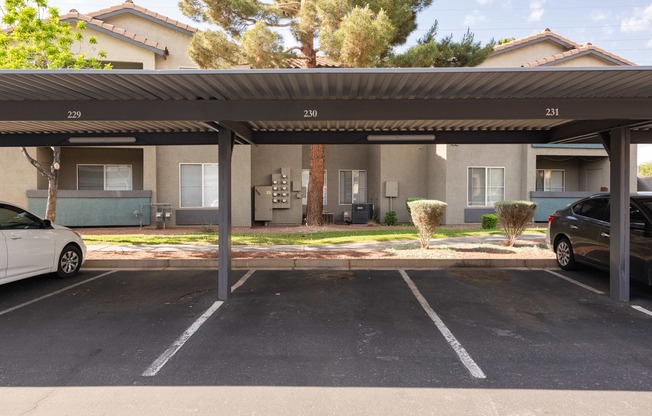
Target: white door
{"x": 29, "y": 252}
{"x": 30, "y": 247}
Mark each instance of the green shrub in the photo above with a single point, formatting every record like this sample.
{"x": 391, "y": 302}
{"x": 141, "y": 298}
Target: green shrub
{"x": 410, "y": 199}
{"x": 426, "y": 215}
{"x": 514, "y": 217}
{"x": 390, "y": 218}
{"x": 489, "y": 221}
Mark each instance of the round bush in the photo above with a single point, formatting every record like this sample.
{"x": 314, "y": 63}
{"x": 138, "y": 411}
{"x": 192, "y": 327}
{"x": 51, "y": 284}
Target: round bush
{"x": 426, "y": 216}
{"x": 514, "y": 217}
{"x": 489, "y": 221}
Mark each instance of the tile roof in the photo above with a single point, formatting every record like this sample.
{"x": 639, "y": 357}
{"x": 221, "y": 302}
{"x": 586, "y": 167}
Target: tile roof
{"x": 573, "y": 49}
{"x": 74, "y": 15}
{"x": 547, "y": 34}
{"x": 299, "y": 61}
{"x": 583, "y": 50}
{"x": 129, "y": 6}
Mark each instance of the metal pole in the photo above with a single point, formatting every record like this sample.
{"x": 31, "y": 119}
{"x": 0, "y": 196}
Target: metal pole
{"x": 619, "y": 232}
{"x": 226, "y": 140}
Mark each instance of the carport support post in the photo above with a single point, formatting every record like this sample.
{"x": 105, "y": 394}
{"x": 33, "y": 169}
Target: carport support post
{"x": 619, "y": 233}
{"x": 225, "y": 141}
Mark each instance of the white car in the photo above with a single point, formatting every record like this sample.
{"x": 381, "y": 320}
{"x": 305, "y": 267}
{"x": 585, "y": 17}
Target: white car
{"x": 30, "y": 246}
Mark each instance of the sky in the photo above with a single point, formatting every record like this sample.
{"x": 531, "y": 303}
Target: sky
{"x": 622, "y": 27}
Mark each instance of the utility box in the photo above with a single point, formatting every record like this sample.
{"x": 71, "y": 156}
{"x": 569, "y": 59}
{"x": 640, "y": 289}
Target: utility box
{"x": 263, "y": 205}
{"x": 391, "y": 189}
{"x": 362, "y": 213}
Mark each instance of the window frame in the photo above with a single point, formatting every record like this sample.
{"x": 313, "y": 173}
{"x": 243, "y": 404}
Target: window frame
{"x": 203, "y": 184}
{"x": 104, "y": 171}
{"x": 486, "y": 178}
{"x": 304, "y": 189}
{"x": 339, "y": 186}
{"x": 563, "y": 187}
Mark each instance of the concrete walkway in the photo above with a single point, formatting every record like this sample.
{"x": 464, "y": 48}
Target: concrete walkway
{"x": 302, "y": 263}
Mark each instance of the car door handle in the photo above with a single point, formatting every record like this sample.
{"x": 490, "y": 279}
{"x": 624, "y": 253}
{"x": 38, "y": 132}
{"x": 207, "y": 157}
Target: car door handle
{"x": 574, "y": 227}
{"x": 14, "y": 236}
{"x": 604, "y": 234}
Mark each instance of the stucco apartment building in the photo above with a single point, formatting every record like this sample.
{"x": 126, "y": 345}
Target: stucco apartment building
{"x": 177, "y": 185}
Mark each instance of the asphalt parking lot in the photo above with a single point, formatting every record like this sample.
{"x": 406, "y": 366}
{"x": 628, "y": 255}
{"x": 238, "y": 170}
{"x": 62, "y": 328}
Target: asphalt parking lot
{"x": 498, "y": 329}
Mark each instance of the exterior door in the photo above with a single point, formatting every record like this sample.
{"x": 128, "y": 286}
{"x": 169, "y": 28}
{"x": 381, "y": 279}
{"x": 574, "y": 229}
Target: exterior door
{"x": 594, "y": 180}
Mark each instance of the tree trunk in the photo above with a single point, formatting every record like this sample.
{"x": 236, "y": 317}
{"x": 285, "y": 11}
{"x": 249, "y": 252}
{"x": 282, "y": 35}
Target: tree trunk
{"x": 315, "y": 203}
{"x": 315, "y": 197}
{"x": 53, "y": 188}
{"x": 52, "y": 173}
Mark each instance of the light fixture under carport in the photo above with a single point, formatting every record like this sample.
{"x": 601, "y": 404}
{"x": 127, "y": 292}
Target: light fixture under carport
{"x": 101, "y": 140}
{"x": 401, "y": 137}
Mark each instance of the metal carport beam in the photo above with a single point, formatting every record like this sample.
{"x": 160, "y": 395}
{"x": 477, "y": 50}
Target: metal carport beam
{"x": 619, "y": 232}
{"x": 586, "y": 130}
{"x": 225, "y": 149}
{"x": 331, "y": 109}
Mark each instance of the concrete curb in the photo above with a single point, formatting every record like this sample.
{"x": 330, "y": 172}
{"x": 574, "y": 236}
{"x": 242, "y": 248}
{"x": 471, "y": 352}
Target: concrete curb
{"x": 302, "y": 264}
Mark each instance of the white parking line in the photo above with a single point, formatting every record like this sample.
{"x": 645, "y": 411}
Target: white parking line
{"x": 22, "y": 305}
{"x": 156, "y": 366}
{"x": 464, "y": 356}
{"x": 242, "y": 280}
{"x": 575, "y": 282}
{"x": 642, "y": 309}
{"x": 163, "y": 359}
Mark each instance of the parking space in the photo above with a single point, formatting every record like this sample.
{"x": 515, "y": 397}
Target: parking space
{"x": 523, "y": 329}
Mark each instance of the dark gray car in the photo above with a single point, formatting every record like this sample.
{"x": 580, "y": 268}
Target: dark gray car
{"x": 580, "y": 233}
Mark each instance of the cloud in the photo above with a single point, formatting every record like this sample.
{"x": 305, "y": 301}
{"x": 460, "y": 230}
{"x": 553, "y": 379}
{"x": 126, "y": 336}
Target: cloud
{"x": 599, "y": 15}
{"x": 536, "y": 10}
{"x": 648, "y": 44}
{"x": 603, "y": 16}
{"x": 474, "y": 18}
{"x": 484, "y": 2}
{"x": 638, "y": 21}
{"x": 507, "y": 5}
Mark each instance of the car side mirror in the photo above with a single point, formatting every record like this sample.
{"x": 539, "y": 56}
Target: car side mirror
{"x": 47, "y": 223}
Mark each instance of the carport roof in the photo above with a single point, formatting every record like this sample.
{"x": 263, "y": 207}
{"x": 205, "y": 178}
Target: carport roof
{"x": 442, "y": 105}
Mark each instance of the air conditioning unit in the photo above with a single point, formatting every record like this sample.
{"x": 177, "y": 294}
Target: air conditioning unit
{"x": 362, "y": 213}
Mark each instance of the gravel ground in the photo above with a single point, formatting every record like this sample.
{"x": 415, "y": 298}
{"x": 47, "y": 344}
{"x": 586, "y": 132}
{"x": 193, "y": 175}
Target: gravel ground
{"x": 529, "y": 248}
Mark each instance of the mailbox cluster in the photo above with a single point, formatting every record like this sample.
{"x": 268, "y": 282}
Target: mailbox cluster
{"x": 281, "y": 187}
{"x": 278, "y": 195}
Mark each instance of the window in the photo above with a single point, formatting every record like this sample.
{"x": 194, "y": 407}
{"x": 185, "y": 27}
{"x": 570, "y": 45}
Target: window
{"x": 353, "y": 187}
{"x": 486, "y": 186}
{"x": 198, "y": 185}
{"x": 16, "y": 218}
{"x": 305, "y": 180}
{"x": 104, "y": 178}
{"x": 550, "y": 180}
{"x": 597, "y": 208}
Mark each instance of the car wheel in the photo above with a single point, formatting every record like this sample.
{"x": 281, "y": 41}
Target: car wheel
{"x": 70, "y": 261}
{"x": 564, "y": 254}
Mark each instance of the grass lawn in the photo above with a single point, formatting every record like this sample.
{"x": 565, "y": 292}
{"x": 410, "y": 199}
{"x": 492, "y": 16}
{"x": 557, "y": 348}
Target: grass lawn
{"x": 294, "y": 238}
